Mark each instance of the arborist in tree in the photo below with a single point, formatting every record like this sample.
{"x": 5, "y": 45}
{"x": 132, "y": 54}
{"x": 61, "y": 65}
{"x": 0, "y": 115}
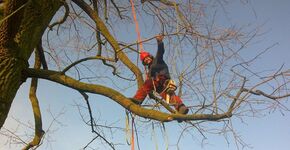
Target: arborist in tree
{"x": 158, "y": 79}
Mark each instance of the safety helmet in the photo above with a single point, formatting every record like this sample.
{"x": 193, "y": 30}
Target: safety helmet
{"x": 143, "y": 55}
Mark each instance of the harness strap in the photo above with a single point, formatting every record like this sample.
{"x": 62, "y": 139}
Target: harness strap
{"x": 127, "y": 128}
{"x": 168, "y": 89}
{"x": 132, "y": 136}
{"x": 146, "y": 72}
{"x": 153, "y": 84}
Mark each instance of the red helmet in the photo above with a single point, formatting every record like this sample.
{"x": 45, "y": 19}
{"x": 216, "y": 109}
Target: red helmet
{"x": 143, "y": 55}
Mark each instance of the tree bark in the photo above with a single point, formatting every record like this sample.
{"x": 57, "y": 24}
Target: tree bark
{"x": 10, "y": 81}
{"x": 24, "y": 23}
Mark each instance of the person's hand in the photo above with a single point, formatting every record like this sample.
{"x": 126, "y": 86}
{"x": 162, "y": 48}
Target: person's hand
{"x": 159, "y": 37}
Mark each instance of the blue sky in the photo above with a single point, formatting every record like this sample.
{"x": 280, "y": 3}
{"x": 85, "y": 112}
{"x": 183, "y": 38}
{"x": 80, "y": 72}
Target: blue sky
{"x": 269, "y": 132}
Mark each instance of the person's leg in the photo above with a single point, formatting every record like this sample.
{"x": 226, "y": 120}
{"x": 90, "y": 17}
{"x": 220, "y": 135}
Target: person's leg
{"x": 177, "y": 102}
{"x": 142, "y": 92}
{"x": 174, "y": 99}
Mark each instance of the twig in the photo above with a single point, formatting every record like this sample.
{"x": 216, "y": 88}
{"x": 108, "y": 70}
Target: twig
{"x": 86, "y": 59}
{"x": 86, "y": 98}
{"x": 61, "y": 21}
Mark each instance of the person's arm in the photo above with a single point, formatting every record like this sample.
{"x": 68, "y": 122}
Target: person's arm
{"x": 160, "y": 50}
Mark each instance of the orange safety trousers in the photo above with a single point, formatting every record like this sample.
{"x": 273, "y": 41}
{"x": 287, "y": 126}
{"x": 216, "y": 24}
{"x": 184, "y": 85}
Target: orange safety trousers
{"x": 148, "y": 86}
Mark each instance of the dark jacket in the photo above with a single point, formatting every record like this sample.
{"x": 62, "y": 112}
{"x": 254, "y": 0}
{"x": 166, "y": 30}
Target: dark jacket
{"x": 158, "y": 66}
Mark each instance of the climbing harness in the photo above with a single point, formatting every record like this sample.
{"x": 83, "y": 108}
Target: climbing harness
{"x": 170, "y": 88}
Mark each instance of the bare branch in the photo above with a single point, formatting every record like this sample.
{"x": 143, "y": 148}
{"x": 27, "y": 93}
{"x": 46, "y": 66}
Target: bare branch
{"x": 35, "y": 107}
{"x": 117, "y": 8}
{"x": 86, "y": 98}
{"x": 63, "y": 19}
{"x": 86, "y": 59}
{"x": 105, "y": 32}
{"x": 40, "y": 50}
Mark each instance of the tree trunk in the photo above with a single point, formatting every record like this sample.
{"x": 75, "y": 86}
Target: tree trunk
{"x": 10, "y": 81}
{"x": 19, "y": 34}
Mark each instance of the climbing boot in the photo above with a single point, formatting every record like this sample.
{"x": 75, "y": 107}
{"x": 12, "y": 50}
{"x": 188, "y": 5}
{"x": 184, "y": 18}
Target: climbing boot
{"x": 182, "y": 109}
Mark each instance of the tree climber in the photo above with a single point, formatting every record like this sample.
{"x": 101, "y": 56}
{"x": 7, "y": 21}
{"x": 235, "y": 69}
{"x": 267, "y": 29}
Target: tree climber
{"x": 158, "y": 78}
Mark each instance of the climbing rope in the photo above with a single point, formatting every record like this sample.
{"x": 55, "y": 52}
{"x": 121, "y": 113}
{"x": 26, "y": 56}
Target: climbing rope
{"x": 139, "y": 41}
{"x": 139, "y": 44}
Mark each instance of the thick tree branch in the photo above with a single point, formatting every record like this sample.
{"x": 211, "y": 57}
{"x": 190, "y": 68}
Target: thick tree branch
{"x": 34, "y": 24}
{"x": 98, "y": 34}
{"x": 105, "y": 32}
{"x": 100, "y": 43}
{"x": 40, "y": 50}
{"x": 60, "y": 78}
{"x": 35, "y": 107}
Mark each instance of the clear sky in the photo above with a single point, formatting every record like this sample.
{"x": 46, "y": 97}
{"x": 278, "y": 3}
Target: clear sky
{"x": 270, "y": 132}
